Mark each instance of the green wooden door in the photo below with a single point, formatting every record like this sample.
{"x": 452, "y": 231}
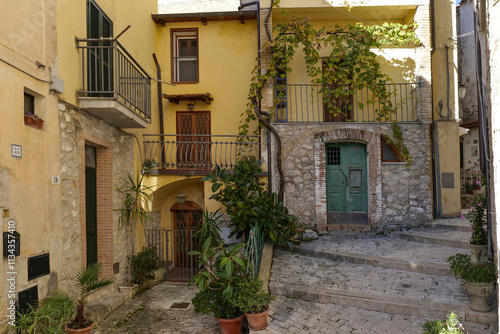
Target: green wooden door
{"x": 346, "y": 178}
{"x": 91, "y": 204}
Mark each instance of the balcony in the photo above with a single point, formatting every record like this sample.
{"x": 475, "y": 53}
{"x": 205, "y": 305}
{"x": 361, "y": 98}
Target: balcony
{"x": 115, "y": 88}
{"x": 304, "y": 103}
{"x": 188, "y": 154}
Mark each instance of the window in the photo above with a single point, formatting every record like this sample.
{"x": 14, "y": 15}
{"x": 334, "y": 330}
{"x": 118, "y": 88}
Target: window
{"x": 100, "y": 54}
{"x": 185, "y": 56}
{"x": 390, "y": 152}
{"x": 29, "y": 104}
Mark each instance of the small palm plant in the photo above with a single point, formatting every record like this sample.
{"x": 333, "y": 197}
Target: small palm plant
{"x": 133, "y": 209}
{"x": 88, "y": 280}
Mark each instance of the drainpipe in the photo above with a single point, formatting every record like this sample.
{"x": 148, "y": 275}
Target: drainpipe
{"x": 160, "y": 106}
{"x": 269, "y": 171}
{"x": 439, "y": 208}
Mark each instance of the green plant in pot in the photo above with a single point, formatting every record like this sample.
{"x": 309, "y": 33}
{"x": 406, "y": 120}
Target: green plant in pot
{"x": 144, "y": 264}
{"x": 135, "y": 197}
{"x": 47, "y": 318}
{"x": 88, "y": 280}
{"x": 478, "y": 243}
{"x": 477, "y": 281}
{"x": 253, "y": 301}
{"x": 222, "y": 268}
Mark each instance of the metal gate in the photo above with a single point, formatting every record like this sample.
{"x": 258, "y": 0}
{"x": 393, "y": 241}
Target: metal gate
{"x": 173, "y": 247}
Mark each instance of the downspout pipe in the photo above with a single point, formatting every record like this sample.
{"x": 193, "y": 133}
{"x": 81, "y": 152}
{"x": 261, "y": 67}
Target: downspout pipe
{"x": 160, "y": 106}
{"x": 269, "y": 169}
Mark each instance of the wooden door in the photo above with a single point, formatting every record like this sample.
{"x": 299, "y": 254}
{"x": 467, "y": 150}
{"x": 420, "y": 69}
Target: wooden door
{"x": 193, "y": 149}
{"x": 186, "y": 224}
{"x": 346, "y": 177}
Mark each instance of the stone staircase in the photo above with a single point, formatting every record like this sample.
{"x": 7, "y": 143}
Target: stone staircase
{"x": 404, "y": 273}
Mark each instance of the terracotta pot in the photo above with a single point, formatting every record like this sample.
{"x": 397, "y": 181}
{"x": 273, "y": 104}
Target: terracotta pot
{"x": 257, "y": 321}
{"x": 479, "y": 293}
{"x": 479, "y": 254}
{"x": 231, "y": 326}
{"x": 81, "y": 330}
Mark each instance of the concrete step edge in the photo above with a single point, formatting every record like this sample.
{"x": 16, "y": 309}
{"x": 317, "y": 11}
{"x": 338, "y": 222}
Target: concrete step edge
{"x": 381, "y": 303}
{"x": 429, "y": 268}
{"x": 452, "y": 226}
{"x": 431, "y": 239}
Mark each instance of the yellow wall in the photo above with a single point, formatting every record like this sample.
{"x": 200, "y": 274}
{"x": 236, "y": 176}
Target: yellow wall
{"x": 449, "y": 149}
{"x": 27, "y": 195}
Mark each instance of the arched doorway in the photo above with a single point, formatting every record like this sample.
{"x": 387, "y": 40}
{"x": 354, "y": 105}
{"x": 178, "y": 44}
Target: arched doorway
{"x": 186, "y": 222}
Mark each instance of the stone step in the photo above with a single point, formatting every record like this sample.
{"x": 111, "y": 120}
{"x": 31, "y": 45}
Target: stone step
{"x": 456, "y": 224}
{"x": 100, "y": 308}
{"x": 371, "y": 288}
{"x": 382, "y": 303}
{"x": 382, "y": 251}
{"x": 437, "y": 236}
{"x": 121, "y": 314}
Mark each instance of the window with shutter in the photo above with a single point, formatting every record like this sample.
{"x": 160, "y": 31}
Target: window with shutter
{"x": 185, "y": 56}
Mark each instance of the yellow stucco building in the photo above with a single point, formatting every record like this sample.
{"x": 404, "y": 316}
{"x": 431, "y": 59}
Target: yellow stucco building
{"x": 123, "y": 87}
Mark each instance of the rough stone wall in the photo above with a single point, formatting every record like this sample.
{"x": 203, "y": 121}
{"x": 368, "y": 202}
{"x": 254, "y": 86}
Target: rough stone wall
{"x": 412, "y": 196}
{"x": 74, "y": 125}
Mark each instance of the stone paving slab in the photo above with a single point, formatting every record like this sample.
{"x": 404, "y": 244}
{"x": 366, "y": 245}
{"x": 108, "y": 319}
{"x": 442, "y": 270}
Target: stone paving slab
{"x": 382, "y": 251}
{"x": 295, "y": 269}
{"x": 438, "y": 236}
{"x": 294, "y": 316}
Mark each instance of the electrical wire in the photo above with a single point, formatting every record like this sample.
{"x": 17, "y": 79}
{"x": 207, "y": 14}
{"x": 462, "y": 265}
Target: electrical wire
{"x": 23, "y": 71}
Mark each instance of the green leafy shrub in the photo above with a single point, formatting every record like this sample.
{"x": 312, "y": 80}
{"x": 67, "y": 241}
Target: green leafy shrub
{"x": 462, "y": 267}
{"x": 477, "y": 217}
{"x": 144, "y": 264}
{"x": 248, "y": 204}
{"x": 448, "y": 326}
{"x": 46, "y": 319}
{"x": 249, "y": 296}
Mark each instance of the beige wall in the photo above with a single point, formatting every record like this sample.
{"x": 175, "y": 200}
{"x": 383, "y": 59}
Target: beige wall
{"x": 449, "y": 150}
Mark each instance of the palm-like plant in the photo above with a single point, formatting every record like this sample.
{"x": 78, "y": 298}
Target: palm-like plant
{"x": 133, "y": 209}
{"x": 88, "y": 280}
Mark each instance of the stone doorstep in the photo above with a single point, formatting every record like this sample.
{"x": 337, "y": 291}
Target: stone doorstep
{"x": 381, "y": 303}
{"x": 100, "y": 308}
{"x": 440, "y": 269}
{"x": 431, "y": 239}
{"x": 120, "y": 314}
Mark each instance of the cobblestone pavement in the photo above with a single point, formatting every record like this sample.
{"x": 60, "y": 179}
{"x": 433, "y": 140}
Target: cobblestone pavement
{"x": 294, "y": 316}
{"x": 290, "y": 268}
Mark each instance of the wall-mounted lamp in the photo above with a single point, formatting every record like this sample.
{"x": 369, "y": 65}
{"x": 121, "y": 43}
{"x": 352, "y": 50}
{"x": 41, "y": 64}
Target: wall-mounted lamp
{"x": 181, "y": 198}
{"x": 462, "y": 90}
{"x": 191, "y": 105}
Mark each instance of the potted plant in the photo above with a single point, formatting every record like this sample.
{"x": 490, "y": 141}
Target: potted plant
{"x": 46, "y": 318}
{"x": 148, "y": 166}
{"x": 135, "y": 194}
{"x": 88, "y": 280}
{"x": 478, "y": 244}
{"x": 222, "y": 268}
{"x": 33, "y": 120}
{"x": 477, "y": 281}
{"x": 144, "y": 265}
{"x": 253, "y": 301}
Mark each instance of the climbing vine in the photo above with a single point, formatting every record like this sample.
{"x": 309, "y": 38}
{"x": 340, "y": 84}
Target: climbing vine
{"x": 351, "y": 63}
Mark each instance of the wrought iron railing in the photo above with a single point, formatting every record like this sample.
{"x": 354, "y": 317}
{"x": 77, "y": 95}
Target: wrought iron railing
{"x": 469, "y": 179}
{"x": 198, "y": 151}
{"x": 109, "y": 71}
{"x": 338, "y": 103}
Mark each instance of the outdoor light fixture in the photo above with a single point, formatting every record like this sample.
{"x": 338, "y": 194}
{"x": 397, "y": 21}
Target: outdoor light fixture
{"x": 191, "y": 105}
{"x": 462, "y": 90}
{"x": 181, "y": 198}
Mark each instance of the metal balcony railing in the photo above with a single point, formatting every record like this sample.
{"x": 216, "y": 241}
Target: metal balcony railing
{"x": 322, "y": 103}
{"x": 109, "y": 71}
{"x": 199, "y": 151}
{"x": 469, "y": 178}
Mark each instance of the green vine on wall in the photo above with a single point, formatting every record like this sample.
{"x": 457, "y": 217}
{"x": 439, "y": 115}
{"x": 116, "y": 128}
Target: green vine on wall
{"x": 351, "y": 63}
